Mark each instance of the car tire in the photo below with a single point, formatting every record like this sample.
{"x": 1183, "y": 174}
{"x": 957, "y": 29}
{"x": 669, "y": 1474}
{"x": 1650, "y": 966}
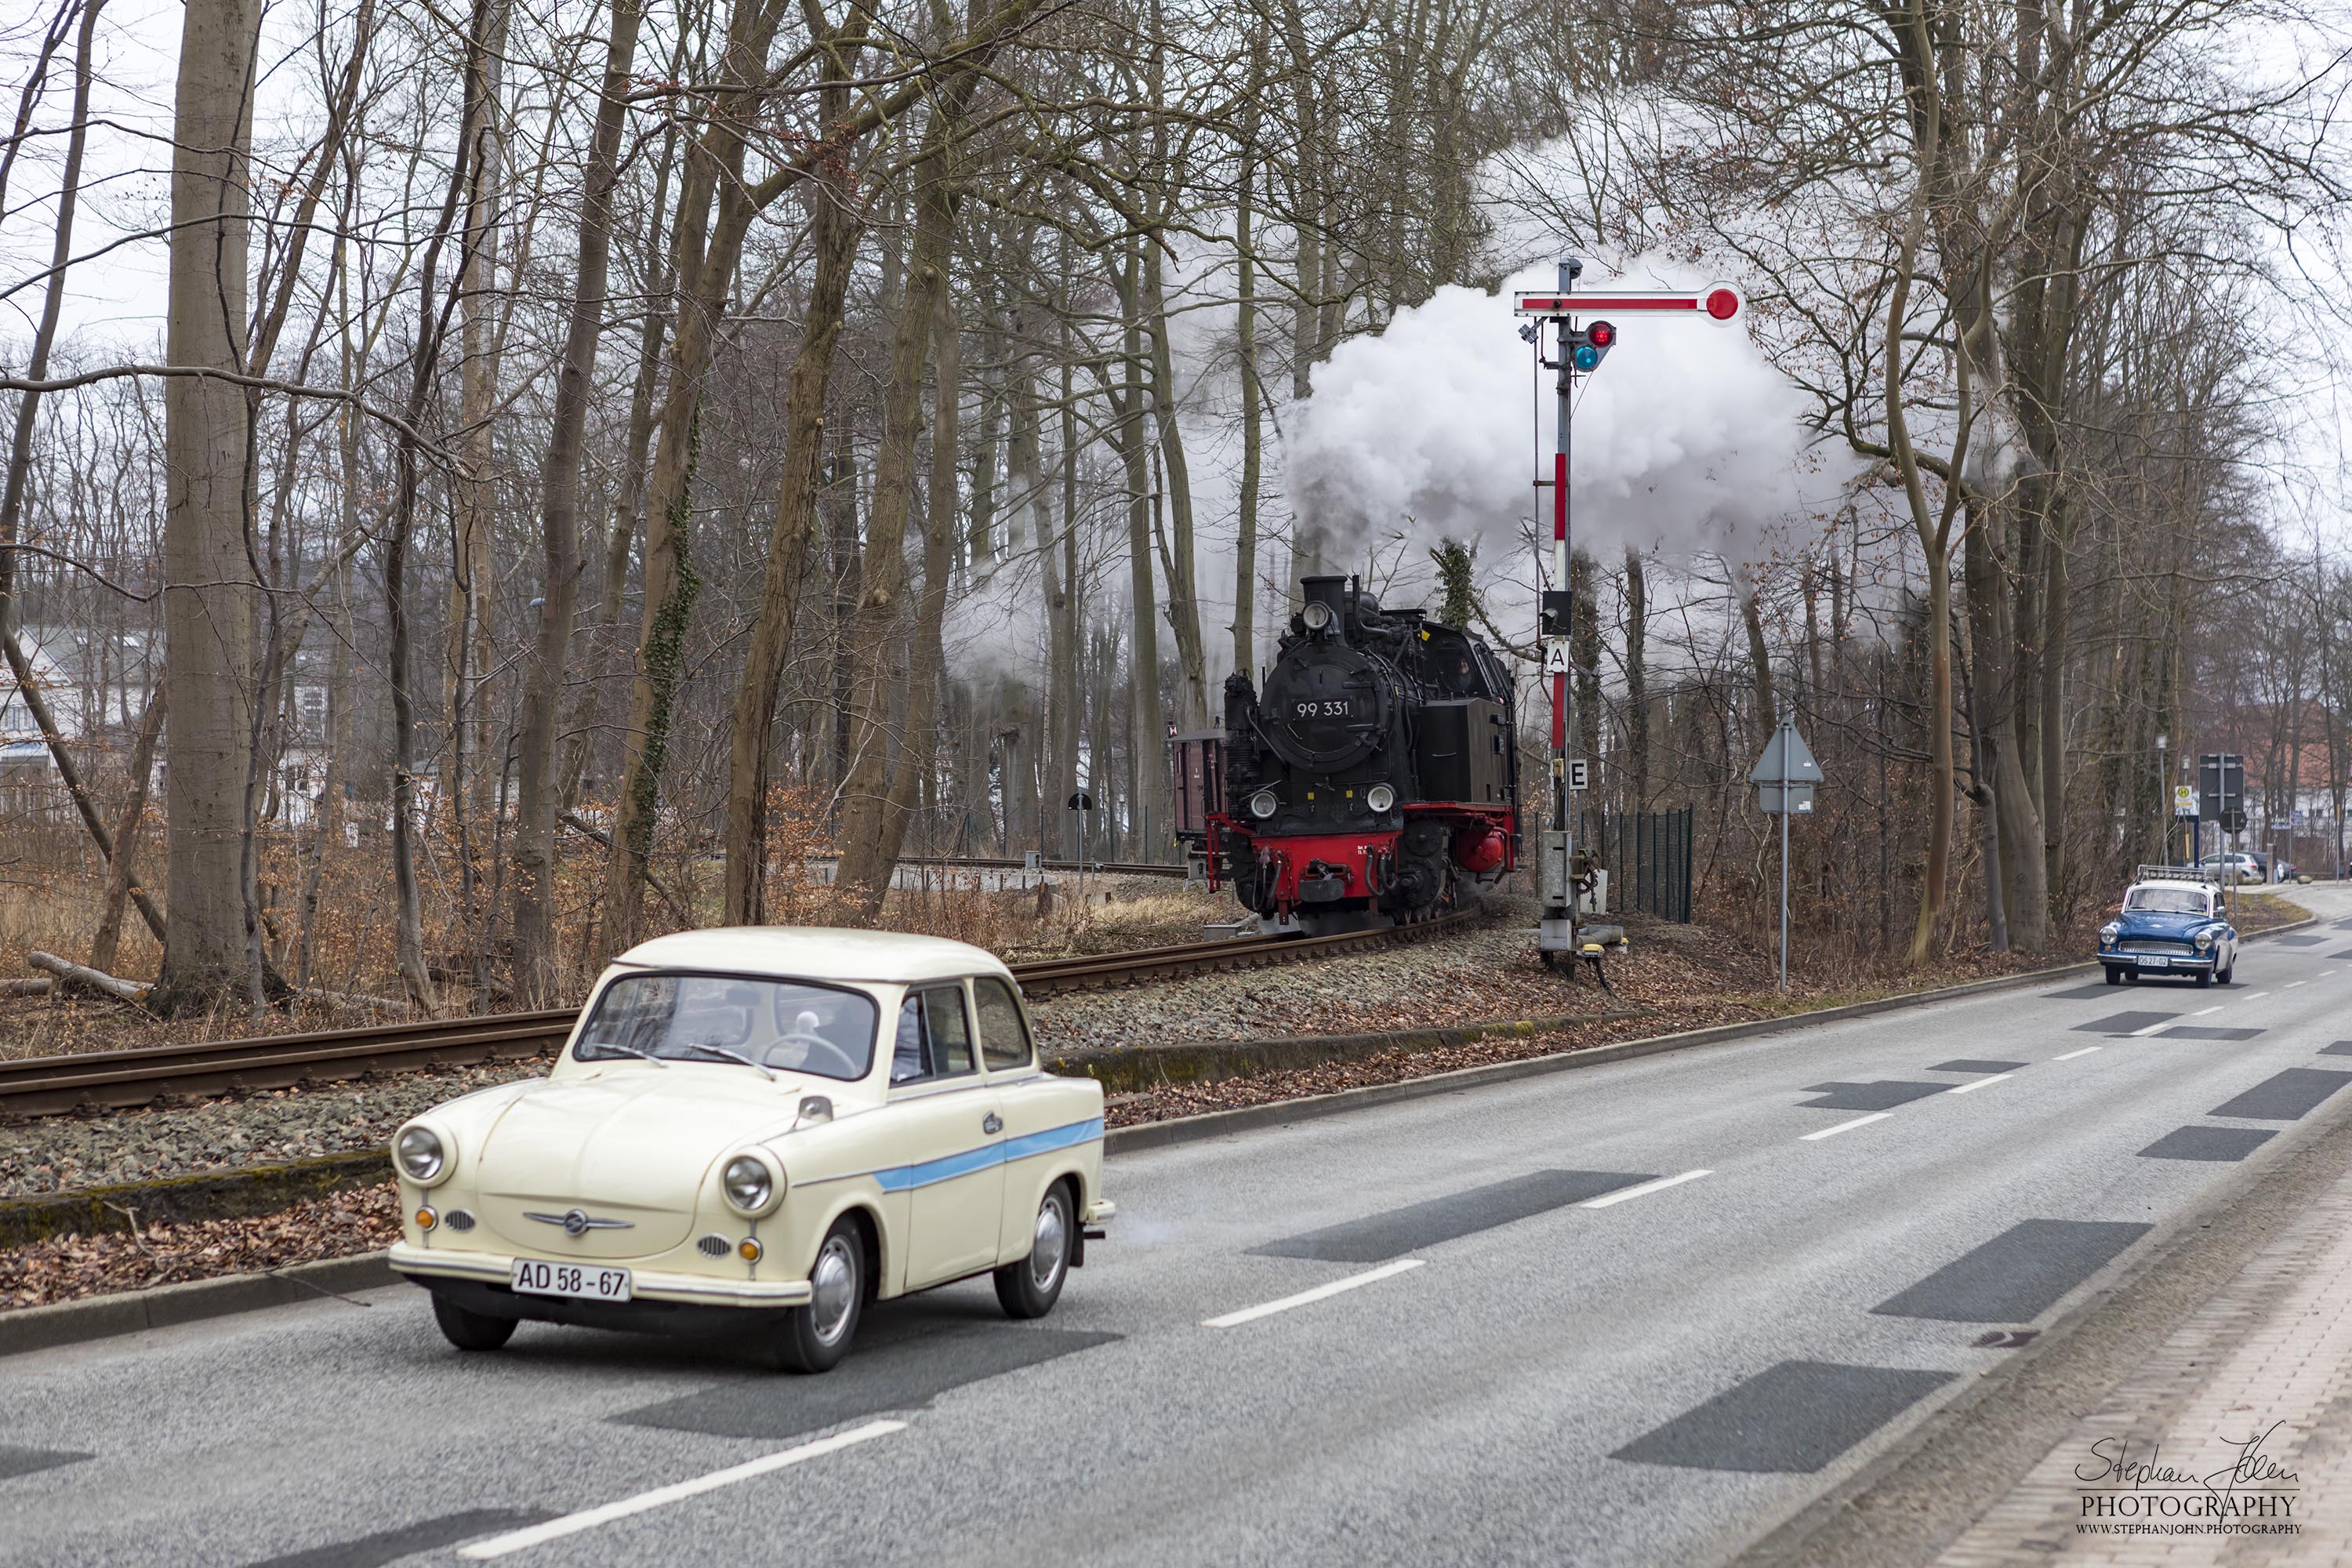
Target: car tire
{"x": 2131, "y": 976}
{"x": 2224, "y": 977}
{"x": 1030, "y": 1286}
{"x": 471, "y": 1330}
{"x": 2204, "y": 977}
{"x": 814, "y": 1338}
{"x": 2115, "y": 976}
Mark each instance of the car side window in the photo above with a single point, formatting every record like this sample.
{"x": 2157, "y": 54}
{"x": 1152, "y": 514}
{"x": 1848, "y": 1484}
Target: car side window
{"x": 934, "y": 1038}
{"x": 1004, "y": 1034}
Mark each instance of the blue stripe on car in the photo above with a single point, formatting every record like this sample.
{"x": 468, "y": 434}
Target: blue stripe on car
{"x": 905, "y": 1178}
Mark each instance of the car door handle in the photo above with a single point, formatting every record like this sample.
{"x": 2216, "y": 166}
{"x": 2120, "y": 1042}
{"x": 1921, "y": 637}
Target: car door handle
{"x": 992, "y": 1124}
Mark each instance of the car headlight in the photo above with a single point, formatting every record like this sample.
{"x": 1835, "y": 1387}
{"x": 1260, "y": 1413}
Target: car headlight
{"x": 1316, "y": 615}
{"x": 1264, "y": 803}
{"x": 421, "y": 1155}
{"x": 2204, "y": 939}
{"x": 749, "y": 1184}
{"x": 1380, "y": 797}
{"x": 2109, "y": 931}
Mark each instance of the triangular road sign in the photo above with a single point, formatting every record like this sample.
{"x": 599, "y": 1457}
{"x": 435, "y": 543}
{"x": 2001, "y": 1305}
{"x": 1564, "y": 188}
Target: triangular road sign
{"x": 1801, "y": 767}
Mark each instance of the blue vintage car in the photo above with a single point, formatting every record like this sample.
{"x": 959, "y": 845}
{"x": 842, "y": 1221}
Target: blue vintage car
{"x": 2170, "y": 926}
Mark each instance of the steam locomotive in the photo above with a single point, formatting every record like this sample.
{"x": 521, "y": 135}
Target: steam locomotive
{"x": 1374, "y": 782}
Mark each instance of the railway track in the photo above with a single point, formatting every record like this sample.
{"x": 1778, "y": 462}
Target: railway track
{"x": 1015, "y": 863}
{"x": 114, "y": 1080}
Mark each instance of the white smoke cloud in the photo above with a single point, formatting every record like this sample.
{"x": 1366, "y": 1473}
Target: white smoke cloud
{"x": 1686, "y": 439}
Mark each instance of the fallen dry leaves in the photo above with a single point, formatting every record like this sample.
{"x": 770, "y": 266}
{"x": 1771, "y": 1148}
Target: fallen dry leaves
{"x": 66, "y": 1268}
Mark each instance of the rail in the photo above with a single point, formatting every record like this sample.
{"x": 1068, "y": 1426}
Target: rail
{"x": 104, "y": 1081}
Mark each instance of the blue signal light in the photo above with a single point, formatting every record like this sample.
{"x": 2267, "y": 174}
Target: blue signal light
{"x": 1587, "y": 357}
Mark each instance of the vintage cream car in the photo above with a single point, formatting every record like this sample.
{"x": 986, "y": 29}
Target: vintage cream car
{"x": 764, "y": 1126}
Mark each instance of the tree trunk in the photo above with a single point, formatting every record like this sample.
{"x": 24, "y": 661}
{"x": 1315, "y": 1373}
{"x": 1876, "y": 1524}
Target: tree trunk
{"x": 210, "y": 589}
{"x": 535, "y": 959}
{"x": 866, "y": 854}
{"x": 127, "y": 828}
{"x": 835, "y": 229}
{"x": 1637, "y": 680}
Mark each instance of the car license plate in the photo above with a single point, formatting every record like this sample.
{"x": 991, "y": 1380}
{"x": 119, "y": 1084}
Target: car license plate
{"x": 571, "y": 1279}
{"x": 2151, "y": 960}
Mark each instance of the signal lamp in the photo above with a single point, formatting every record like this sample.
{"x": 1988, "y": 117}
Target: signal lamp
{"x": 1316, "y": 615}
{"x": 1380, "y": 797}
{"x": 1722, "y": 304}
{"x": 1601, "y": 334}
{"x": 1263, "y": 804}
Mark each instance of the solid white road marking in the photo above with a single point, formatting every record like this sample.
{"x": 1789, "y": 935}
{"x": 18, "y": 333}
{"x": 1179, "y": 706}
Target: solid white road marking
{"x": 2152, "y": 1028}
{"x": 1980, "y": 1083}
{"x": 1660, "y": 1185}
{"x": 1845, "y": 1126}
{"x": 2070, "y": 1056}
{"x": 589, "y": 1519}
{"x": 1306, "y": 1297}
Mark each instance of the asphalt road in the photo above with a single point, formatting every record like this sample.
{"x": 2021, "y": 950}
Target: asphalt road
{"x": 1548, "y": 1350}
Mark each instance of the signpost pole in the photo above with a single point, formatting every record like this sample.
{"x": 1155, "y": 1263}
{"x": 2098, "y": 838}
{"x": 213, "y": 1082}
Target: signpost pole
{"x": 1787, "y": 723}
{"x": 1560, "y": 818}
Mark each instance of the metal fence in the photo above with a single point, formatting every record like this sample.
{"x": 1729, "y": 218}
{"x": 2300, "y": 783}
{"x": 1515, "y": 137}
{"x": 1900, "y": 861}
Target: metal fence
{"x": 1648, "y": 856}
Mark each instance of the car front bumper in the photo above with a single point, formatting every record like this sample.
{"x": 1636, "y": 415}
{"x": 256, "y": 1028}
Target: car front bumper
{"x": 2174, "y": 961}
{"x": 425, "y": 1265}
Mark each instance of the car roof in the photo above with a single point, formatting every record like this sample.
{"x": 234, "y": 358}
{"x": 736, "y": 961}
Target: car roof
{"x": 2174, "y": 887}
{"x": 816, "y": 953}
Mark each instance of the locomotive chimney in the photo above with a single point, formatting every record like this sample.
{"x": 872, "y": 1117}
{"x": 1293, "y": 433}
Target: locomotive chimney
{"x": 1327, "y": 591}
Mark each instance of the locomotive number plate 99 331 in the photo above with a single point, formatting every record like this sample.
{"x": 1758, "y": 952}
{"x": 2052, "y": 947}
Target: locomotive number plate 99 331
{"x": 593, "y": 1284}
{"x": 1328, "y": 708}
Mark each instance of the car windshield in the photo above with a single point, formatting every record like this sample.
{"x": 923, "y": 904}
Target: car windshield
{"x": 788, "y": 1024}
{"x": 2165, "y": 900}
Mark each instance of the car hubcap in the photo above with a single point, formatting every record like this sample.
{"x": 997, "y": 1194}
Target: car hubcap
{"x": 832, "y": 1285}
{"x": 1053, "y": 1239}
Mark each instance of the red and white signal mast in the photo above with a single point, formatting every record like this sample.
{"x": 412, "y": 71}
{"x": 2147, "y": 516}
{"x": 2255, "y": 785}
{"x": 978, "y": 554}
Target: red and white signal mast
{"x": 1580, "y": 354}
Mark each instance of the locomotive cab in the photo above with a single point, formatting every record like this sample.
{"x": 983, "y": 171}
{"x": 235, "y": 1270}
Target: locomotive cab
{"x": 1373, "y": 781}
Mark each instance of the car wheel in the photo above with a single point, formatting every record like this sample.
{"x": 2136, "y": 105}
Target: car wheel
{"x": 2204, "y": 977}
{"x": 2131, "y": 976}
{"x": 1029, "y": 1287}
{"x": 816, "y": 1337}
{"x": 2224, "y": 976}
{"x": 471, "y": 1330}
{"x": 2115, "y": 976}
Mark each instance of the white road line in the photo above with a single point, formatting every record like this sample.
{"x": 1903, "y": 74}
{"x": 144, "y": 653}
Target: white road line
{"x": 1660, "y": 1185}
{"x": 2153, "y": 1029}
{"x": 2257, "y": 997}
{"x": 1980, "y": 1083}
{"x": 2201, "y": 1015}
{"x": 2293, "y": 984}
{"x": 1845, "y": 1126}
{"x": 589, "y": 1519}
{"x": 2070, "y": 1056}
{"x": 1307, "y": 1297}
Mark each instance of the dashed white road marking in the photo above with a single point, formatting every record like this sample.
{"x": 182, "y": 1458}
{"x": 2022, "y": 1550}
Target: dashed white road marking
{"x": 2070, "y": 1056}
{"x": 1972, "y": 1087}
{"x": 2257, "y": 996}
{"x": 2154, "y": 1028}
{"x": 2293, "y": 984}
{"x": 661, "y": 1497}
{"x": 2203, "y": 1012}
{"x": 1660, "y": 1185}
{"x": 1845, "y": 1126}
{"x": 1307, "y": 1297}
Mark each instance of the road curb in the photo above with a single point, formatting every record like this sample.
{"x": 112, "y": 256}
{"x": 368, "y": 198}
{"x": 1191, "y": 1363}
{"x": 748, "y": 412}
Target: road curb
{"x": 164, "y": 1306}
{"x": 1182, "y": 1129}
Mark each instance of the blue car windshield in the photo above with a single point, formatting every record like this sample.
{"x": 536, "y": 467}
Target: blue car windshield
{"x": 2165, "y": 902}
{"x": 788, "y": 1024}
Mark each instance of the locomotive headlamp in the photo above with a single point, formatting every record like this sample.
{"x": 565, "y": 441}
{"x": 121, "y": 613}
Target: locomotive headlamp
{"x": 1263, "y": 804}
{"x": 1316, "y": 615}
{"x": 1380, "y": 797}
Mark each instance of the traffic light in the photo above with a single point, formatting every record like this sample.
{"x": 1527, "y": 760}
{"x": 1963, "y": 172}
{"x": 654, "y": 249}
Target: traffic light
{"x": 1588, "y": 348}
